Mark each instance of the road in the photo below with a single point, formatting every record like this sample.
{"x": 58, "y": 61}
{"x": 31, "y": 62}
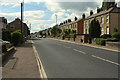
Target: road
{"x": 67, "y": 60}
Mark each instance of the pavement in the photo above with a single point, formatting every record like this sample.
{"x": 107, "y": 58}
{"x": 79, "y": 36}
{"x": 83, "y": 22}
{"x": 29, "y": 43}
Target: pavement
{"x": 22, "y": 64}
{"x": 67, "y": 60}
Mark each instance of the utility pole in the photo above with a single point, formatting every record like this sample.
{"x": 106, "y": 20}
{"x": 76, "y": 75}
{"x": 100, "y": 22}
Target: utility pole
{"x": 21, "y": 17}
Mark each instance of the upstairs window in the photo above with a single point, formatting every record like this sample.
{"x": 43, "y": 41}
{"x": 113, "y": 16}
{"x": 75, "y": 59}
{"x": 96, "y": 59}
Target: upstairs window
{"x": 107, "y": 20}
{"x": 85, "y": 23}
{"x": 102, "y": 20}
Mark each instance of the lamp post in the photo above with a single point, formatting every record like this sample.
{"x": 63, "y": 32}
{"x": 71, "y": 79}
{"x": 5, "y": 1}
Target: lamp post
{"x": 56, "y": 19}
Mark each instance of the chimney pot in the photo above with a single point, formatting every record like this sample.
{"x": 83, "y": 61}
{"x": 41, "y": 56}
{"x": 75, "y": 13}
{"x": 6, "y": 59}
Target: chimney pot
{"x": 91, "y": 12}
{"x": 83, "y": 16}
{"x": 98, "y": 10}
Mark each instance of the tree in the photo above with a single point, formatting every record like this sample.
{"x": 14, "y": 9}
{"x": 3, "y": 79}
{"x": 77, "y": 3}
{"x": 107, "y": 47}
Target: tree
{"x": 55, "y": 31}
{"x": 94, "y": 29}
{"x": 40, "y": 32}
{"x": 69, "y": 31}
{"x": 115, "y": 30}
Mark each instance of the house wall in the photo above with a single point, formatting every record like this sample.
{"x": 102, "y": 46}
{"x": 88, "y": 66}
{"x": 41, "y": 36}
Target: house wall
{"x": 16, "y": 25}
{"x": 114, "y": 21}
{"x": 80, "y": 28}
{"x": 99, "y": 18}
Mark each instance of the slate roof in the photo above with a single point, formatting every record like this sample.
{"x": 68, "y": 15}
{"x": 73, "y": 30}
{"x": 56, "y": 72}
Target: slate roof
{"x": 113, "y": 9}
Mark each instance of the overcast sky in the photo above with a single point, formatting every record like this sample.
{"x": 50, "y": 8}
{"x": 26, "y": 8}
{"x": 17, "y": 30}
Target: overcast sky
{"x": 41, "y": 13}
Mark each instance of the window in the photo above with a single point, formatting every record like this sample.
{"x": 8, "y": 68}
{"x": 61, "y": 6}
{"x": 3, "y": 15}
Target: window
{"x": 85, "y": 23}
{"x": 89, "y": 21}
{"x": 107, "y": 20}
{"x": 102, "y": 30}
{"x": 85, "y": 31}
{"x": 75, "y": 25}
{"x": 107, "y": 30}
{"x": 11, "y": 27}
{"x": 71, "y": 25}
{"x": 102, "y": 20}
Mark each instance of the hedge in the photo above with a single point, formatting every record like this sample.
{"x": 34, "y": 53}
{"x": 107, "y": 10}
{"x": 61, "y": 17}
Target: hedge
{"x": 112, "y": 39}
{"x": 71, "y": 35}
{"x": 116, "y": 35}
{"x": 100, "y": 41}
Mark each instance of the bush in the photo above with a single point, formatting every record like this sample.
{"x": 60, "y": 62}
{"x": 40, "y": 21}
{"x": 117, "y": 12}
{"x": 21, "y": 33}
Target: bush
{"x": 71, "y": 35}
{"x": 100, "y": 41}
{"x": 16, "y": 37}
{"x": 116, "y": 35}
{"x": 105, "y": 36}
{"x": 6, "y": 36}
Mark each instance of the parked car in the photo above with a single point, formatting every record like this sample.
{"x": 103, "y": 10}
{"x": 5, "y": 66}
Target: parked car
{"x": 44, "y": 36}
{"x": 1, "y": 41}
{"x": 39, "y": 36}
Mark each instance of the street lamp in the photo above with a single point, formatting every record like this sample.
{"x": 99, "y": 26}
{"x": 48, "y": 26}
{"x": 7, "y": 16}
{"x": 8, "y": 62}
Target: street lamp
{"x": 56, "y": 18}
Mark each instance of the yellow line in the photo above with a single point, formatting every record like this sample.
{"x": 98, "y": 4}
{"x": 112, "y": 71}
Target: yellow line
{"x": 40, "y": 66}
{"x": 105, "y": 60}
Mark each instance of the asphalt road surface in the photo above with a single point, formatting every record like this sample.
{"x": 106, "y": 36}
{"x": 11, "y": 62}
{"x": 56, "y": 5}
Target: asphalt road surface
{"x": 68, "y": 60}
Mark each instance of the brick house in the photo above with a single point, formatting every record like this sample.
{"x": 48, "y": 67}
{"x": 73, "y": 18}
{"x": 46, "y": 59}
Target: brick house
{"x": 16, "y": 25}
{"x": 108, "y": 19}
{"x": 76, "y": 25}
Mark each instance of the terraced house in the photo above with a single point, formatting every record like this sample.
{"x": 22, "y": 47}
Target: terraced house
{"x": 108, "y": 17}
{"x": 76, "y": 25}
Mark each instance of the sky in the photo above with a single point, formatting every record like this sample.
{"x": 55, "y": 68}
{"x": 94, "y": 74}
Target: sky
{"x": 41, "y": 13}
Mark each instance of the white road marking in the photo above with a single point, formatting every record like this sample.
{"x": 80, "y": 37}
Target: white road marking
{"x": 66, "y": 47}
{"x": 89, "y": 45}
{"x": 105, "y": 60}
{"x": 79, "y": 51}
{"x": 40, "y": 66}
{"x": 58, "y": 44}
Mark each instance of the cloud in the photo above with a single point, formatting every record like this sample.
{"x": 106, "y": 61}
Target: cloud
{"x": 29, "y": 15}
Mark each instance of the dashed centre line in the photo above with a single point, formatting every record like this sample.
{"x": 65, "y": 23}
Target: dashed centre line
{"x": 79, "y": 51}
{"x": 66, "y": 47}
{"x": 105, "y": 60}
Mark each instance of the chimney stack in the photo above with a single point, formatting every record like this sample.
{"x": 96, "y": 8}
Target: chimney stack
{"x": 75, "y": 18}
{"x": 69, "y": 20}
{"x": 83, "y": 16}
{"x": 91, "y": 12}
{"x": 98, "y": 10}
